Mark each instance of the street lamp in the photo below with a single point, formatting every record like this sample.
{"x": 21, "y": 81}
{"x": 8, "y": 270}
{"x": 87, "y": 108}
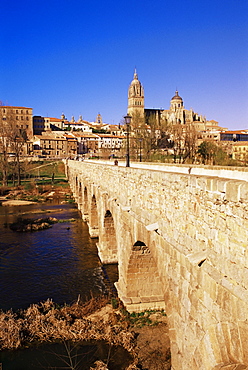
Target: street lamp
{"x": 140, "y": 141}
{"x": 128, "y": 121}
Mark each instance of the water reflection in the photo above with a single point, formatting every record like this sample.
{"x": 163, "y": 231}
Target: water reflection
{"x": 58, "y": 263}
{"x": 66, "y": 356}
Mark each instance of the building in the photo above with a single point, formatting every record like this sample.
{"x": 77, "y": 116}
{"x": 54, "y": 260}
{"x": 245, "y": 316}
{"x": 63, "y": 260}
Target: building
{"x": 110, "y": 142}
{"x": 176, "y": 114}
{"x": 19, "y": 118}
{"x": 47, "y": 124}
{"x": 136, "y": 97}
{"x": 87, "y": 142}
{"x": 53, "y": 145}
{"x": 80, "y": 125}
{"x": 98, "y": 143}
{"x": 240, "y": 151}
{"x": 233, "y": 136}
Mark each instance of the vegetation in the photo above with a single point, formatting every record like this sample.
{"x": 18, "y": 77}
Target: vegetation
{"x": 12, "y": 140}
{"x": 159, "y": 140}
{"x": 40, "y": 172}
{"x": 94, "y": 320}
{"x": 47, "y": 322}
{"x": 213, "y": 154}
{"x": 140, "y": 319}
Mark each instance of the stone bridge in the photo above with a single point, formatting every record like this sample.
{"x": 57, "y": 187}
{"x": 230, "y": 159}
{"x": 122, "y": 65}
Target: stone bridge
{"x": 179, "y": 236}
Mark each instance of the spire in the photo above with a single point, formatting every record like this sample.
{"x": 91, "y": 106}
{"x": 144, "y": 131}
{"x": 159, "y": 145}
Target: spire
{"x": 135, "y": 76}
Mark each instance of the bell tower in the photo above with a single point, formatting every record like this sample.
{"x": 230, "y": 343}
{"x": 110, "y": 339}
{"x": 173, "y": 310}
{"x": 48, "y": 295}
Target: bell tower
{"x": 136, "y": 100}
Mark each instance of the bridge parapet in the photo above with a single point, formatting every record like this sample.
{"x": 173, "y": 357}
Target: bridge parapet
{"x": 194, "y": 230}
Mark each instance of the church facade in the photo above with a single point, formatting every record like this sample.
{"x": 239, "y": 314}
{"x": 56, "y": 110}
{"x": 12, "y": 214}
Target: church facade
{"x": 176, "y": 114}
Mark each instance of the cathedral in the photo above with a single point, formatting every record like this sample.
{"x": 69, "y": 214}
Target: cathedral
{"x": 174, "y": 115}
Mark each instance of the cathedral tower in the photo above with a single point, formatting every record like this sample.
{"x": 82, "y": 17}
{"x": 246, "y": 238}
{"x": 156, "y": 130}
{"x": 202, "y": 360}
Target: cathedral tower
{"x": 136, "y": 100}
{"x": 176, "y": 102}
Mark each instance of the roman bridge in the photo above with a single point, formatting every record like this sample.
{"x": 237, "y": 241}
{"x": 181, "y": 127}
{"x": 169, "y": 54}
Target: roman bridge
{"x": 179, "y": 236}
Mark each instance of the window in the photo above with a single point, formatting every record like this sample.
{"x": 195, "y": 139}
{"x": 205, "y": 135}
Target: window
{"x": 17, "y": 118}
{"x": 27, "y": 118}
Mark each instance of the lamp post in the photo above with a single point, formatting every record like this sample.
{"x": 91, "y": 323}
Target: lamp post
{"x": 128, "y": 121}
{"x": 140, "y": 141}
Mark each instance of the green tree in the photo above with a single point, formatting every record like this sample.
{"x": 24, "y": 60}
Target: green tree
{"x": 212, "y": 153}
{"x": 208, "y": 151}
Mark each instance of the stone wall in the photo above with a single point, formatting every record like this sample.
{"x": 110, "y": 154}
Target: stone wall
{"x": 180, "y": 243}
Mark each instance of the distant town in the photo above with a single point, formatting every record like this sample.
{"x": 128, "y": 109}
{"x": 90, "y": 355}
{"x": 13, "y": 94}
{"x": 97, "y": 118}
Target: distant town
{"x": 175, "y": 134}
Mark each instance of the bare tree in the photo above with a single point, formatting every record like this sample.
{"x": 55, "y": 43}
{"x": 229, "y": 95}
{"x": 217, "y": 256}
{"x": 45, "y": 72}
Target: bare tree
{"x": 190, "y": 143}
{"x": 164, "y": 134}
{"x": 177, "y": 132}
{"x": 12, "y": 140}
{"x": 18, "y": 140}
{"x": 4, "y": 149}
{"x": 138, "y": 133}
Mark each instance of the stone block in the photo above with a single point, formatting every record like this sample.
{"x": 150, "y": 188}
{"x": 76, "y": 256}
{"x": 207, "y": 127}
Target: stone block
{"x": 233, "y": 191}
{"x": 135, "y": 300}
{"x": 215, "y": 344}
{"x": 221, "y": 185}
{"x": 236, "y": 350}
{"x": 132, "y": 293}
{"x": 242, "y": 294}
{"x": 243, "y": 330}
{"x": 244, "y": 192}
{"x": 221, "y": 344}
{"x": 211, "y": 184}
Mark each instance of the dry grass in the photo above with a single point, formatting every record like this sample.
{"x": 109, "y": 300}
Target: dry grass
{"x": 45, "y": 322}
{"x": 95, "y": 320}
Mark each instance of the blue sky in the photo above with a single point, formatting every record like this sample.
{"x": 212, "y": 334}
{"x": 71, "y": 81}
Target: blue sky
{"x": 78, "y": 57}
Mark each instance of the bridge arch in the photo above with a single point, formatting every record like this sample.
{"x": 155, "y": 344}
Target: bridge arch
{"x": 93, "y": 218}
{"x": 80, "y": 196}
{"x": 143, "y": 284}
{"x": 85, "y": 205}
{"x": 107, "y": 245}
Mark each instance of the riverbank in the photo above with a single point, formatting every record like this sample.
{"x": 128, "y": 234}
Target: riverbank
{"x": 143, "y": 336}
{"x": 33, "y": 193}
{"x": 147, "y": 334}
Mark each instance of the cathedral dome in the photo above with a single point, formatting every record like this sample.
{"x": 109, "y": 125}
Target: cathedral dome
{"x": 135, "y": 79}
{"x": 176, "y": 102}
{"x": 177, "y": 97}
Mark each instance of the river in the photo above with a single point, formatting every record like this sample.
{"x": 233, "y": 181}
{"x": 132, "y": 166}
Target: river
{"x": 60, "y": 263}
